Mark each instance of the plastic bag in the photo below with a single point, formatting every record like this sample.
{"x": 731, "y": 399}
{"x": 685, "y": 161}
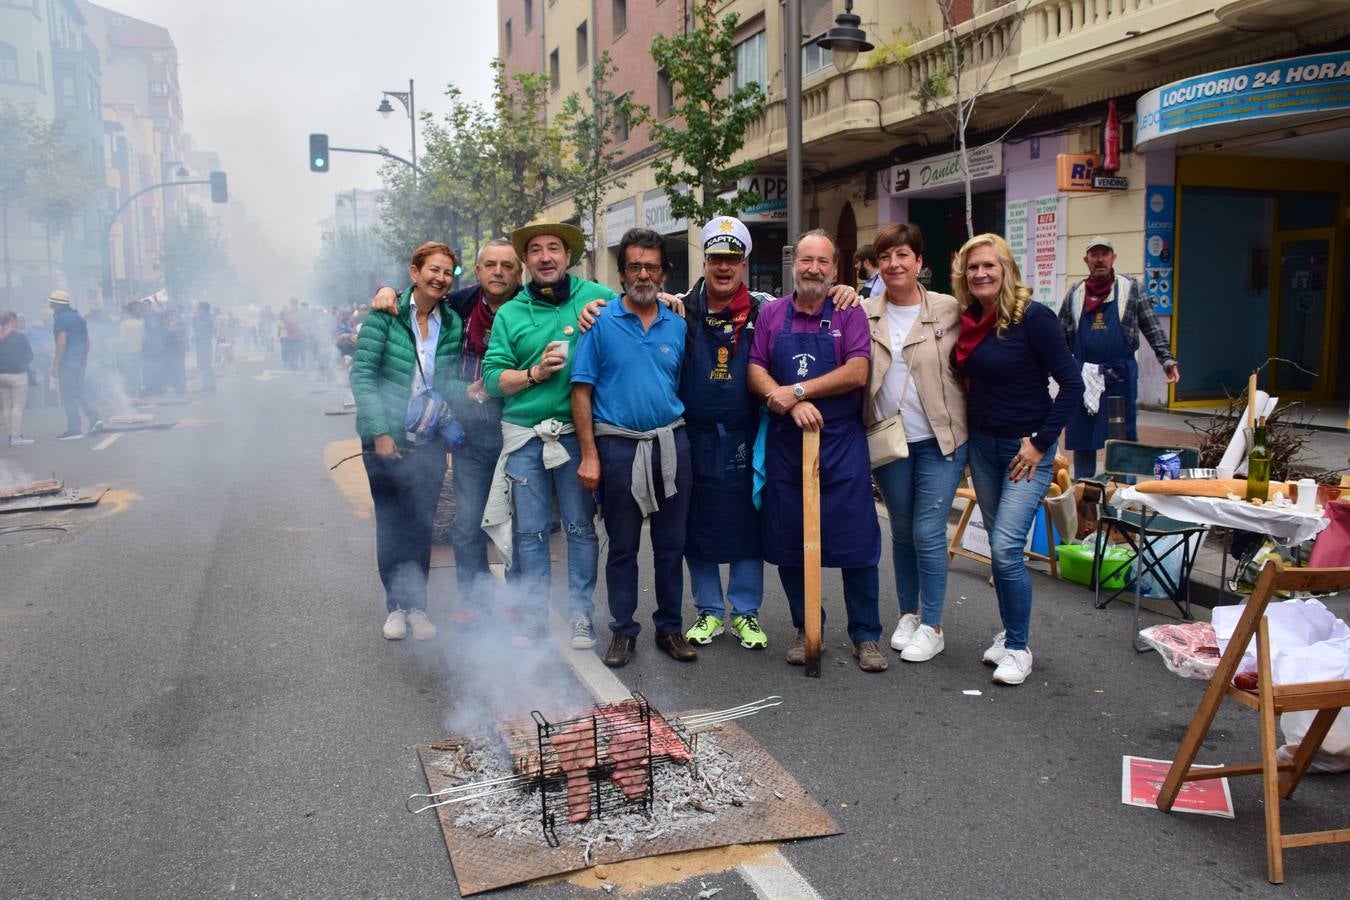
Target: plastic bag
{"x": 1327, "y": 660}
{"x": 1169, "y": 550}
{"x": 1190, "y": 650}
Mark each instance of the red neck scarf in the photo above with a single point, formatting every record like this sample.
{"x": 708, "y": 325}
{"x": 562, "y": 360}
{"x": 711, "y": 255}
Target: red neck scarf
{"x": 975, "y": 326}
{"x": 738, "y": 310}
{"x": 1096, "y": 290}
{"x": 478, "y": 328}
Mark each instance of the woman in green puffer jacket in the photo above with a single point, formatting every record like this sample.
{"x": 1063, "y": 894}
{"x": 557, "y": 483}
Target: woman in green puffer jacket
{"x": 396, "y": 357}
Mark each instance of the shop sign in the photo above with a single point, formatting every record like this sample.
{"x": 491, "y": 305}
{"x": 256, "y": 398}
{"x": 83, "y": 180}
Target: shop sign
{"x": 941, "y": 171}
{"x": 1015, "y": 230}
{"x": 1159, "y": 224}
{"x": 1304, "y": 84}
{"x": 618, "y": 219}
{"x": 774, "y": 206}
{"x": 1046, "y": 218}
{"x": 656, "y": 214}
{"x": 1079, "y": 171}
{"x": 1110, "y": 183}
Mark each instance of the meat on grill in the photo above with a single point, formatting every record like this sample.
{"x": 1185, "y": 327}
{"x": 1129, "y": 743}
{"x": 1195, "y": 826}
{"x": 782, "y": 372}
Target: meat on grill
{"x": 632, "y": 762}
{"x": 625, "y": 716}
{"x": 575, "y": 747}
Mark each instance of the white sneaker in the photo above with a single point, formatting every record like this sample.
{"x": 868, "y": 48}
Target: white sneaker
{"x": 994, "y": 655}
{"x": 926, "y": 644}
{"x": 422, "y": 627}
{"x": 904, "y": 631}
{"x": 396, "y": 626}
{"x": 1014, "y": 668}
{"x": 18, "y": 440}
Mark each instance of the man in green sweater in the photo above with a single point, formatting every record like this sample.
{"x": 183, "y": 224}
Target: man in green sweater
{"x": 528, "y": 364}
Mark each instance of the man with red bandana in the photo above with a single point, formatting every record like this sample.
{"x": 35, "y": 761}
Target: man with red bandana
{"x": 1101, "y": 317}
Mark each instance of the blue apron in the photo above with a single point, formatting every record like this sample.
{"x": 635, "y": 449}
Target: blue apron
{"x": 850, "y": 536}
{"x": 1100, "y": 338}
{"x": 721, "y": 417}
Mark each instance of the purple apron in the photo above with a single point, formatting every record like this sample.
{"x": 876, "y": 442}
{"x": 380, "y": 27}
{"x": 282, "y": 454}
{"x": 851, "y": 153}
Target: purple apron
{"x": 850, "y": 537}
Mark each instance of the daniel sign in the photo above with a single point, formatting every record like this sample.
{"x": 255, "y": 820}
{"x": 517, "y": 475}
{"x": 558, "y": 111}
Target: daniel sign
{"x": 945, "y": 171}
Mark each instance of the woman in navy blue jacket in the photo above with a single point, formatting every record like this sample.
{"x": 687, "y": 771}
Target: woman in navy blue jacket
{"x": 1009, "y": 348}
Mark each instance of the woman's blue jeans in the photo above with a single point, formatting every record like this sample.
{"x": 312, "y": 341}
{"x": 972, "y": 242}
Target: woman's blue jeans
{"x": 532, "y": 488}
{"x": 1008, "y": 509}
{"x": 918, "y": 491}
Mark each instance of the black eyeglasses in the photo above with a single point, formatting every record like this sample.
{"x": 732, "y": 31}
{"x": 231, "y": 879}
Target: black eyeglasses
{"x": 639, "y": 268}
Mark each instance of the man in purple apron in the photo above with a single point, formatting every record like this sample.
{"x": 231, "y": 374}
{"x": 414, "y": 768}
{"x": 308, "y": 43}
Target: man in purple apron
{"x": 809, "y": 361}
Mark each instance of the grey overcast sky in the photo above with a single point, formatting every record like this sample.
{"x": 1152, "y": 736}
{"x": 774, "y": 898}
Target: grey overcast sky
{"x": 258, "y": 76}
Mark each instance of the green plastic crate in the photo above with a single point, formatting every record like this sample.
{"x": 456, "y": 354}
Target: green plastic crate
{"x": 1075, "y": 564}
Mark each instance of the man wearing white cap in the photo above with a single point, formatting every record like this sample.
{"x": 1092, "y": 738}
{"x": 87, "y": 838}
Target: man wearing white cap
{"x": 1101, "y": 317}
{"x": 68, "y": 361}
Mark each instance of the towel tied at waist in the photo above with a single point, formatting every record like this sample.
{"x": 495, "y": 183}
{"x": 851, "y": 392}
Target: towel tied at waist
{"x": 644, "y": 486}
{"x": 499, "y": 512}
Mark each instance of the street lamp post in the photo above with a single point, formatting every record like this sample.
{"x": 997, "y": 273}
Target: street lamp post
{"x": 409, "y": 105}
{"x": 792, "y": 72}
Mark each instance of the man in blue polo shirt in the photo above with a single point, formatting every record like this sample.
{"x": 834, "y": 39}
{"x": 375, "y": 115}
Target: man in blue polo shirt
{"x": 630, "y": 425}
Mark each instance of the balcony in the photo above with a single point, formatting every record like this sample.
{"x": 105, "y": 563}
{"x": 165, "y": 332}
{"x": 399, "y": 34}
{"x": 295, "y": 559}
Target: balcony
{"x": 1050, "y": 54}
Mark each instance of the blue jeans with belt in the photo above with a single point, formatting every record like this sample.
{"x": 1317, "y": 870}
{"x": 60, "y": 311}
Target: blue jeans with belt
{"x": 1008, "y": 509}
{"x": 532, "y": 488}
{"x": 918, "y": 492}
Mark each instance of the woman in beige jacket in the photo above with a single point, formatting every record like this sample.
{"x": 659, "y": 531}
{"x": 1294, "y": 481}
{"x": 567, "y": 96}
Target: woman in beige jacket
{"x": 913, "y": 333}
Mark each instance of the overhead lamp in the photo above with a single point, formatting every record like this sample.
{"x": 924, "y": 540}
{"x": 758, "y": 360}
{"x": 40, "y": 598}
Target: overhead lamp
{"x": 385, "y": 108}
{"x": 846, "y": 39}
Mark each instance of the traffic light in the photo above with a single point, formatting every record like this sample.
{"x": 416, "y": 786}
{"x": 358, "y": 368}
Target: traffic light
{"x": 318, "y": 153}
{"x": 220, "y": 191}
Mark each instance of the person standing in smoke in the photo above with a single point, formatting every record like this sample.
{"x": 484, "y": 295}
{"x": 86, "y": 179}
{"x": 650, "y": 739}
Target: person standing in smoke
{"x": 498, "y": 272}
{"x": 204, "y": 342}
{"x": 69, "y": 358}
{"x": 398, "y": 359}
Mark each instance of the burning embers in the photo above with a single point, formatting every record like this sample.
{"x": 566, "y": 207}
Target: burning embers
{"x": 619, "y": 762}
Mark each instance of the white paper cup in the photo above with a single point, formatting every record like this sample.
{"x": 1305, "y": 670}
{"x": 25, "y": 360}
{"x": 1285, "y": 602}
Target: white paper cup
{"x": 1223, "y": 472}
{"x": 559, "y": 347}
{"x": 1307, "y": 495}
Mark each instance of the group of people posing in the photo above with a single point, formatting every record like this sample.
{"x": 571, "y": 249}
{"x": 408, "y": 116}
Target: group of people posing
{"x": 688, "y": 411}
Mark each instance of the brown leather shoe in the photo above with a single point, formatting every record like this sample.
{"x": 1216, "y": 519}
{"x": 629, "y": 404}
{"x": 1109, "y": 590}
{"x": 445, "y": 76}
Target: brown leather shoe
{"x": 621, "y": 650}
{"x": 869, "y": 657}
{"x": 676, "y": 647}
{"x": 796, "y": 654}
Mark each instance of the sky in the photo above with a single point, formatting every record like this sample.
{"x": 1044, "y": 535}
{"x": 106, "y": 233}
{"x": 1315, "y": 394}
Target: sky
{"x": 258, "y": 76}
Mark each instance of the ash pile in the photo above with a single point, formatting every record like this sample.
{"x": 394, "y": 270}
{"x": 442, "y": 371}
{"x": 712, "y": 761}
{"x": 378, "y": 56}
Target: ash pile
{"x": 620, "y": 774}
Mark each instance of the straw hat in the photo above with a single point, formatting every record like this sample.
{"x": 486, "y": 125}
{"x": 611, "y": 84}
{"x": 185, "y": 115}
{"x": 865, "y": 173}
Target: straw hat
{"x": 59, "y": 297}
{"x": 570, "y": 235}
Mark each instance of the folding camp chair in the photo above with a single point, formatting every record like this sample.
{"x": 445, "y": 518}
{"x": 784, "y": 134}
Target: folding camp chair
{"x": 1142, "y": 531}
{"x": 1269, "y": 700}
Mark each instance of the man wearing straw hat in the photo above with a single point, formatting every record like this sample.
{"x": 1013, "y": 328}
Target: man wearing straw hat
{"x": 528, "y": 364}
{"x": 68, "y": 362}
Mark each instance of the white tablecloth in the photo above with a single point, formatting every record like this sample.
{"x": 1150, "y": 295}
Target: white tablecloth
{"x": 1286, "y": 525}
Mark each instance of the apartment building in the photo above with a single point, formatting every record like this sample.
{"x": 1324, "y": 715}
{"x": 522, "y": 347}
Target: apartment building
{"x": 1231, "y": 200}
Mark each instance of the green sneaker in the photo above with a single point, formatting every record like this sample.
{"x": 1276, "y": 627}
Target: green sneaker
{"x": 748, "y": 630}
{"x": 705, "y": 628}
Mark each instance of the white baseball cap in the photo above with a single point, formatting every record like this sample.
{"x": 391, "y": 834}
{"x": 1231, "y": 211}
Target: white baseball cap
{"x": 1099, "y": 241}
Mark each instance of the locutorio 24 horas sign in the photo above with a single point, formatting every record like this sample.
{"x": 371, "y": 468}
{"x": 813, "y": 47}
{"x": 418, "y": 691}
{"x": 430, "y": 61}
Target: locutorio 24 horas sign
{"x": 1300, "y": 85}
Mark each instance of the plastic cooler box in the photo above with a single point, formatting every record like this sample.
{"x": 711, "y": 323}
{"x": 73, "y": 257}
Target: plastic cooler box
{"x": 1075, "y": 564}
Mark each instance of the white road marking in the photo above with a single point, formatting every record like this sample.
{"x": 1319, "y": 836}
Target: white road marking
{"x": 771, "y": 876}
{"x": 108, "y": 441}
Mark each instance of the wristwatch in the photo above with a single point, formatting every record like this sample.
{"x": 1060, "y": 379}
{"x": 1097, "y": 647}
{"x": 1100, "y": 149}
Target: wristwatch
{"x": 798, "y": 391}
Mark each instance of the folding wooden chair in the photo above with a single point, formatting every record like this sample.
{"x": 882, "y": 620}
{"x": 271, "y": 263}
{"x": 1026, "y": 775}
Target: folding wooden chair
{"x": 1269, "y": 700}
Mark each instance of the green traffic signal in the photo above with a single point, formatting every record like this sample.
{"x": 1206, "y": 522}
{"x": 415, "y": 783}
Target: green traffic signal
{"x": 318, "y": 153}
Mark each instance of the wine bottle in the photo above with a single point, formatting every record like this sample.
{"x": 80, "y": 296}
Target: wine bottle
{"x": 1258, "y": 464}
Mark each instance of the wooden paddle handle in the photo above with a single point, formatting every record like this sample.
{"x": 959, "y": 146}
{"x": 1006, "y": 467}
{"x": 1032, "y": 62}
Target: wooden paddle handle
{"x": 811, "y": 547}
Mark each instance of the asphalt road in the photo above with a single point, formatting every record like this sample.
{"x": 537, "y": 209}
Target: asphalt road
{"x": 197, "y": 702}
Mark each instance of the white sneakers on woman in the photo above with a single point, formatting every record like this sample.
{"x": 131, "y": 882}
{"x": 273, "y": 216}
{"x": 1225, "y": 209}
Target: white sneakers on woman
{"x": 904, "y": 632}
{"x": 927, "y": 643}
{"x": 398, "y": 622}
{"x": 1011, "y": 666}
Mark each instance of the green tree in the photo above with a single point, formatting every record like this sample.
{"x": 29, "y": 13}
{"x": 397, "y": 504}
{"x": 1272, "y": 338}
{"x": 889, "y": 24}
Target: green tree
{"x": 522, "y": 157}
{"x": 708, "y": 119}
{"x": 352, "y": 265}
{"x": 59, "y": 186}
{"x": 23, "y": 139}
{"x": 193, "y": 258}
{"x": 588, "y": 128}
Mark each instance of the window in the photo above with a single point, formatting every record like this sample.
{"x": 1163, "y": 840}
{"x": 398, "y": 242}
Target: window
{"x": 66, "y": 88}
{"x": 553, "y": 74}
{"x": 814, "y": 58}
{"x": 506, "y": 38}
{"x": 751, "y": 62}
{"x": 621, "y": 125}
{"x": 529, "y": 16}
{"x": 9, "y": 63}
{"x": 665, "y": 95}
{"x": 583, "y": 56}
{"x": 620, "y": 17}
{"x": 159, "y": 89}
